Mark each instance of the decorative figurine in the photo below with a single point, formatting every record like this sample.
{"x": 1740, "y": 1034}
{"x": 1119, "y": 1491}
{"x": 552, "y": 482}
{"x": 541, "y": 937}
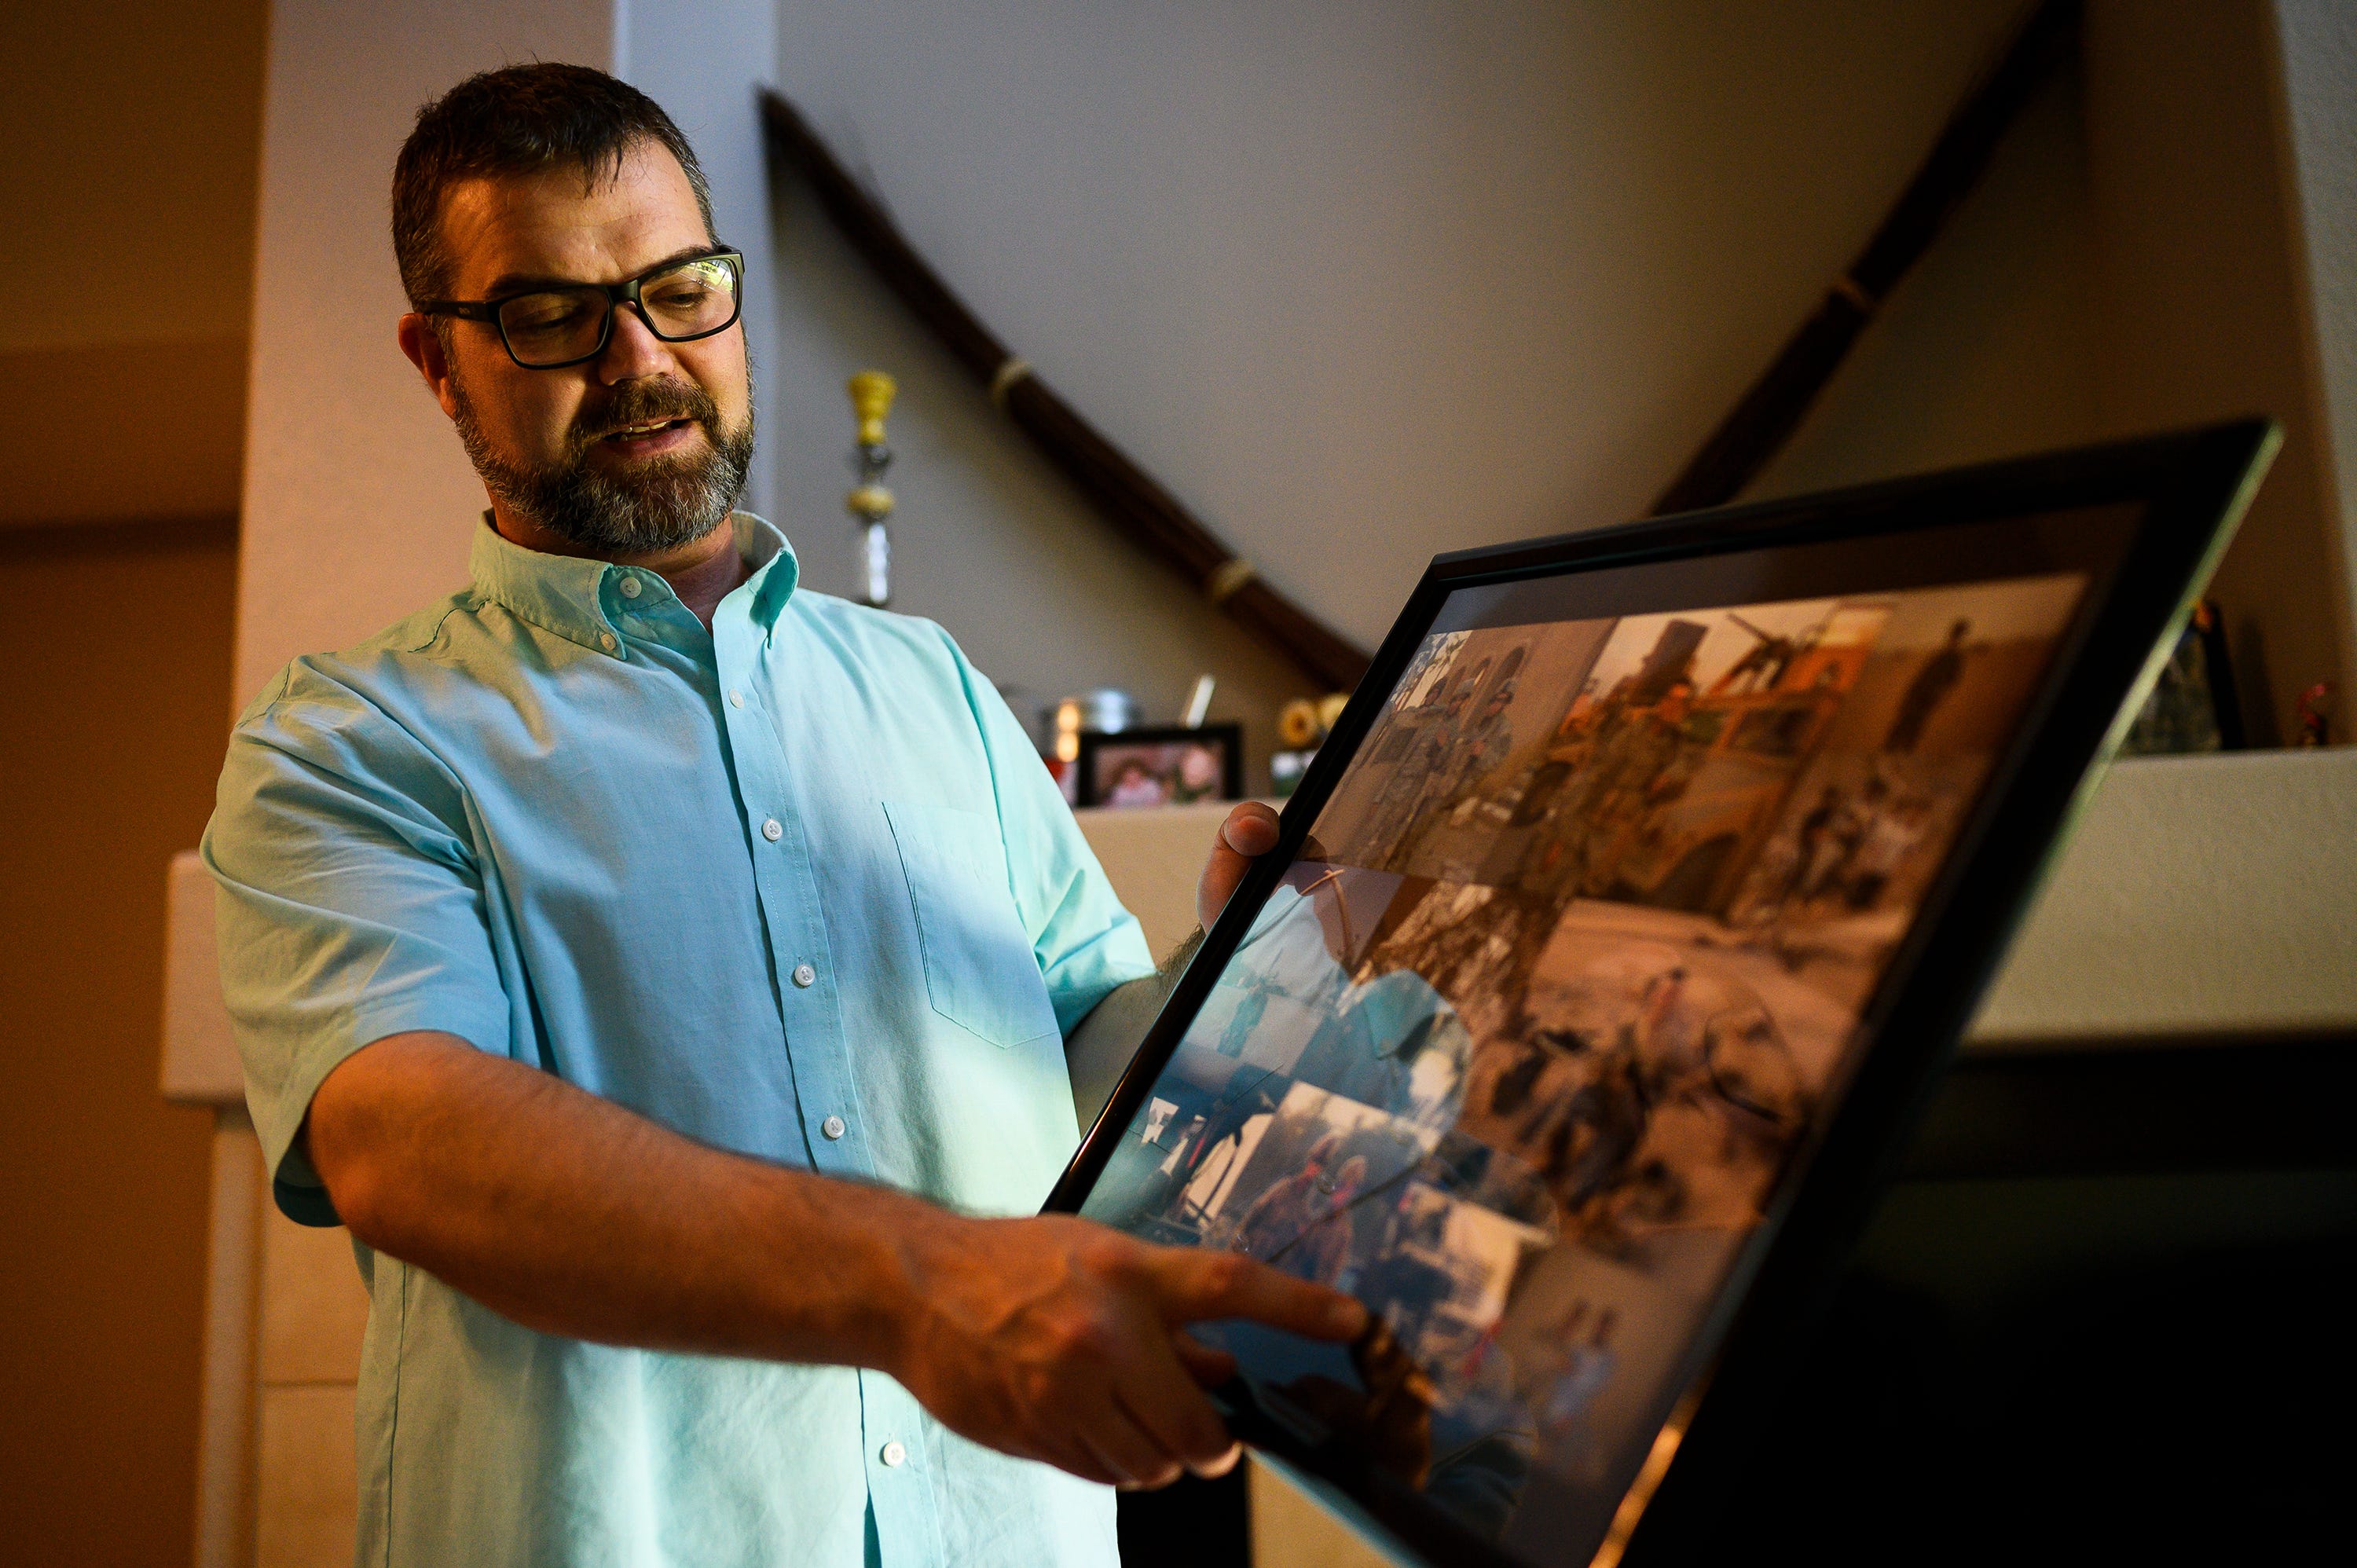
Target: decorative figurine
{"x": 2315, "y": 711}
{"x": 871, "y": 399}
{"x": 1302, "y": 727}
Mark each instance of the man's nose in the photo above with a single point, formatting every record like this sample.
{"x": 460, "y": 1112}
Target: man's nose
{"x": 632, "y": 351}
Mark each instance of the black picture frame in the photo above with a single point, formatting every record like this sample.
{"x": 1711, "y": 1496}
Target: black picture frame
{"x": 2184, "y": 494}
{"x": 1105, "y": 749}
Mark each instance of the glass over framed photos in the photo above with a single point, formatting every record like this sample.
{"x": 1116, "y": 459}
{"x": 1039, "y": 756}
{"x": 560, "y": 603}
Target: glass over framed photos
{"x": 1633, "y": 904}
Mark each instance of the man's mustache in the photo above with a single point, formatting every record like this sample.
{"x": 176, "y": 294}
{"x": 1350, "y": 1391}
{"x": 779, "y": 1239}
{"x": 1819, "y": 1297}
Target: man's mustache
{"x": 641, "y": 402}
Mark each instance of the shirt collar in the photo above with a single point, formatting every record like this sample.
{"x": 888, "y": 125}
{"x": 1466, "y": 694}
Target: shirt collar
{"x": 567, "y": 594}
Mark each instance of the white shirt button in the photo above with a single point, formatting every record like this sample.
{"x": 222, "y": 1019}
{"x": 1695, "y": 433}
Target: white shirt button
{"x": 894, "y": 1453}
{"x": 805, "y": 976}
{"x": 773, "y": 830}
{"x": 735, "y": 698}
{"x": 605, "y": 640}
{"x": 833, "y": 1128}
{"x": 630, "y": 587}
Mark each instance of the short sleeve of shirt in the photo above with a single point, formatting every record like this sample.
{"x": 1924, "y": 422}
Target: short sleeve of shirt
{"x": 348, "y": 906}
{"x": 1086, "y": 943}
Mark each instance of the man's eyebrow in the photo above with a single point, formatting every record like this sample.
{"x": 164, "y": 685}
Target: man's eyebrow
{"x": 518, "y": 282}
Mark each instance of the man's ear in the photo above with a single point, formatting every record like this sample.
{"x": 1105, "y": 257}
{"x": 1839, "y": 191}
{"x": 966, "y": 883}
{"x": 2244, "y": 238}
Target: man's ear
{"x": 424, "y": 346}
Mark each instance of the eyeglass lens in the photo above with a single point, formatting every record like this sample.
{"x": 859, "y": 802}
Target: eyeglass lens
{"x": 554, "y": 326}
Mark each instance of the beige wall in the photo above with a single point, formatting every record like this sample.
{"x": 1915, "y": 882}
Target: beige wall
{"x": 113, "y": 711}
{"x": 2132, "y": 263}
{"x": 127, "y": 256}
{"x": 125, "y": 260}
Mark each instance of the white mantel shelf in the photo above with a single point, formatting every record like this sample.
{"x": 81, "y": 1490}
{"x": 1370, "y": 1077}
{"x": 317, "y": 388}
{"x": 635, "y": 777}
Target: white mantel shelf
{"x": 2200, "y": 898}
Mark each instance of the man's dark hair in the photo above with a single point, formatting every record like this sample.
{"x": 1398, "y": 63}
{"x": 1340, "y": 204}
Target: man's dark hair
{"x": 521, "y": 119}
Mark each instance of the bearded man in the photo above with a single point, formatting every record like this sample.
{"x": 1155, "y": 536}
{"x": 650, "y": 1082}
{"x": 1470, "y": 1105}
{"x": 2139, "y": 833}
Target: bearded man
{"x": 667, "y": 972}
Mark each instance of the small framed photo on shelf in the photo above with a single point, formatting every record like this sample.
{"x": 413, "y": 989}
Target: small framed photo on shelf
{"x": 1161, "y": 767}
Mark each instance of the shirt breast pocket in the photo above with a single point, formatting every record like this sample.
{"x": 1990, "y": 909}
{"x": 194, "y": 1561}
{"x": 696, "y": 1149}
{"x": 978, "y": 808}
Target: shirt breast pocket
{"x": 980, "y": 972}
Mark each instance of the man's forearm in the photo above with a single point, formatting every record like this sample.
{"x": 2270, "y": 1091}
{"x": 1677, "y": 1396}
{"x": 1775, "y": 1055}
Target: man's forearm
{"x": 1047, "y": 1337}
{"x": 573, "y": 1216}
{"x": 1101, "y": 1044}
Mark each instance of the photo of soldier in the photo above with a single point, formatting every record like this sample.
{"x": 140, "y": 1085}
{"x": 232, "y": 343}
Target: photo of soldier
{"x": 1658, "y": 1084}
{"x": 1447, "y": 759}
{"x": 1690, "y": 743}
{"x": 1838, "y": 877}
{"x": 1472, "y": 943}
{"x": 1439, "y": 1269}
{"x": 1436, "y": 1273}
{"x": 1952, "y": 667}
{"x": 1643, "y": 762}
{"x": 1433, "y": 760}
{"x": 1479, "y": 747}
{"x": 1932, "y": 682}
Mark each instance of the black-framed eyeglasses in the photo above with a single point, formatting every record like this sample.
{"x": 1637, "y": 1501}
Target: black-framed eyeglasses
{"x": 556, "y": 324}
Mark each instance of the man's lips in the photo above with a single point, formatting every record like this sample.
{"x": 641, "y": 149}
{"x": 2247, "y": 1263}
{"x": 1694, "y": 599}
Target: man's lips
{"x": 649, "y": 436}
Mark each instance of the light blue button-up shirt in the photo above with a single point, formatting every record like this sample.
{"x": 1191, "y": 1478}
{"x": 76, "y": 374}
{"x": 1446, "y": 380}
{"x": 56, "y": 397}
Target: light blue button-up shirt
{"x": 796, "y": 886}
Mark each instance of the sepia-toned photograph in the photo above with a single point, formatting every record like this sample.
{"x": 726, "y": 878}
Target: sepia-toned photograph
{"x": 1518, "y": 1051}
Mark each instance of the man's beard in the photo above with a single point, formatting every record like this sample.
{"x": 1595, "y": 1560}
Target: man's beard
{"x": 657, "y": 505}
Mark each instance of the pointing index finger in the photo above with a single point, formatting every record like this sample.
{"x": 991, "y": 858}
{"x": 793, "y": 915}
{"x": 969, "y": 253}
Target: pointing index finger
{"x": 1203, "y": 1286}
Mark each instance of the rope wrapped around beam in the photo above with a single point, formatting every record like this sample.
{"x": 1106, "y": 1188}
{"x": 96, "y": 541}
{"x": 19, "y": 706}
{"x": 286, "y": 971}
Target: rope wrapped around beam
{"x": 1137, "y": 507}
{"x": 1760, "y": 423}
